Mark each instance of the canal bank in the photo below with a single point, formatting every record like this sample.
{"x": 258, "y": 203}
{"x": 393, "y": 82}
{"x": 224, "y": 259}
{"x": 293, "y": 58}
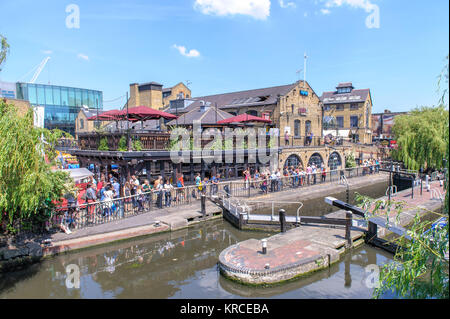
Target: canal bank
{"x": 306, "y": 249}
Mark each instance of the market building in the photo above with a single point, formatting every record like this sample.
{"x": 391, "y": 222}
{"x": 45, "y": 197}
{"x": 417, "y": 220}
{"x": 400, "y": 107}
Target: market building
{"x": 347, "y": 113}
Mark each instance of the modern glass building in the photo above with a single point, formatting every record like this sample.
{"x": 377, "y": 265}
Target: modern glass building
{"x": 61, "y": 104}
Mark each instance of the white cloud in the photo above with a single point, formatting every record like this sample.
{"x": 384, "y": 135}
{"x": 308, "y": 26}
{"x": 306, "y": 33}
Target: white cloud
{"x": 357, "y": 4}
{"x": 190, "y": 54}
{"x": 325, "y": 11}
{"x": 287, "y": 5}
{"x": 83, "y": 56}
{"x": 258, "y": 9}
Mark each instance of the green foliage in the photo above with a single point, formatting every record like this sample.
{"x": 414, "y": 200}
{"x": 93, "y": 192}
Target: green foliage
{"x": 421, "y": 269}
{"x": 122, "y": 147}
{"x": 103, "y": 145}
{"x": 27, "y": 184}
{"x": 421, "y": 137}
{"x": 4, "y": 50}
{"x": 350, "y": 161}
{"x": 137, "y": 145}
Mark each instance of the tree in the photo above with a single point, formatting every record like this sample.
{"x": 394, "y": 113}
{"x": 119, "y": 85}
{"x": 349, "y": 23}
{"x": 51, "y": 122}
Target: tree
{"x": 28, "y": 186}
{"x": 4, "y": 50}
{"x": 421, "y": 137}
{"x": 421, "y": 269}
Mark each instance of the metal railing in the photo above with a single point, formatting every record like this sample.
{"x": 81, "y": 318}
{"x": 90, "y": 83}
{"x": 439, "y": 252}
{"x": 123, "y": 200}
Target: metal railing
{"x": 91, "y": 213}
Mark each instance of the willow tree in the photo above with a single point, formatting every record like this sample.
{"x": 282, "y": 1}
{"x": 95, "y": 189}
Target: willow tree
{"x": 4, "y": 49}
{"x": 28, "y": 185}
{"x": 422, "y": 137}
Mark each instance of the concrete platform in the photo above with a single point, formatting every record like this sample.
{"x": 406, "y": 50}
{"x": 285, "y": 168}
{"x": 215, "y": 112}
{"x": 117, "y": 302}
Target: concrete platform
{"x": 308, "y": 248}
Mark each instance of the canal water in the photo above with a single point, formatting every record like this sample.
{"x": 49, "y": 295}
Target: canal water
{"x": 181, "y": 264}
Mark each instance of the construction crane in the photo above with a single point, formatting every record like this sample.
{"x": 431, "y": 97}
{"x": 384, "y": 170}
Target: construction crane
{"x": 38, "y": 71}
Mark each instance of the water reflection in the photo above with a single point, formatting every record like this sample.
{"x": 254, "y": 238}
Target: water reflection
{"x": 181, "y": 264}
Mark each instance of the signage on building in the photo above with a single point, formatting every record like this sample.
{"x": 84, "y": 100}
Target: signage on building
{"x": 38, "y": 116}
{"x": 266, "y": 116}
{"x": 302, "y": 111}
{"x": 7, "y": 90}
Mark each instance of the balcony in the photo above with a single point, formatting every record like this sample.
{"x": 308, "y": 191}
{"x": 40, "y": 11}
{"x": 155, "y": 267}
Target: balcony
{"x": 148, "y": 141}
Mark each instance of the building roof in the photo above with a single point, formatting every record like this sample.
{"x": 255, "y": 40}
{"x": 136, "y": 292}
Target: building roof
{"x": 90, "y": 112}
{"x": 255, "y": 97}
{"x": 344, "y": 85}
{"x": 355, "y": 96}
{"x": 150, "y": 83}
{"x": 210, "y": 116}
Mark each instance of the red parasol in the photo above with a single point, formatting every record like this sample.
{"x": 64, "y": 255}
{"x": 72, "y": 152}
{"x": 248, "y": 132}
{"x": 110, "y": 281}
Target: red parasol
{"x": 143, "y": 113}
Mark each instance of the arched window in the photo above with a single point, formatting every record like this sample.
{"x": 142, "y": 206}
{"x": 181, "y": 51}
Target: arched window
{"x": 315, "y": 159}
{"x": 297, "y": 128}
{"x": 334, "y": 161}
{"x": 293, "y": 160}
{"x": 307, "y": 127}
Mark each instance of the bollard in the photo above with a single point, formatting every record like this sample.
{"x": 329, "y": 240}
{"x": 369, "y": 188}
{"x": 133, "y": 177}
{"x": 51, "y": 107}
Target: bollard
{"x": 282, "y": 214}
{"x": 348, "y": 225}
{"x": 372, "y": 232}
{"x": 203, "y": 205}
{"x": 264, "y": 246}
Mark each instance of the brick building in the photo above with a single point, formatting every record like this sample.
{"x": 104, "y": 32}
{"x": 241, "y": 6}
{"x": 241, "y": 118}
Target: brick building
{"x": 348, "y": 111}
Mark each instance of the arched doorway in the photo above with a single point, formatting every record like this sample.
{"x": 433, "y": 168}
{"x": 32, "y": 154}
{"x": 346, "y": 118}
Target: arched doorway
{"x": 316, "y": 159}
{"x": 293, "y": 160}
{"x": 334, "y": 161}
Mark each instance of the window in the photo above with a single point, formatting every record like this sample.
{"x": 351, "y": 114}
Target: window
{"x": 327, "y": 108}
{"x": 56, "y": 95}
{"x": 32, "y": 94}
{"x": 353, "y": 121}
{"x": 48, "y": 95}
{"x": 292, "y": 108}
{"x": 340, "y": 107}
{"x": 340, "y": 121}
{"x": 344, "y": 90}
{"x": 354, "y": 106}
{"x": 81, "y": 124}
{"x": 40, "y": 95}
{"x": 77, "y": 97}
{"x": 307, "y": 128}
{"x": 297, "y": 128}
{"x": 64, "y": 96}
{"x": 71, "y": 97}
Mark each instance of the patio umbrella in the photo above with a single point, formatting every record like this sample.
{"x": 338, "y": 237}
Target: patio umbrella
{"x": 143, "y": 113}
{"x": 243, "y": 118}
{"x": 110, "y": 115}
{"x": 105, "y": 116}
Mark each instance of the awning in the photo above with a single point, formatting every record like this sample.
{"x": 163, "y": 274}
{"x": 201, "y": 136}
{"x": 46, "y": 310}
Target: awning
{"x": 341, "y": 133}
{"x": 78, "y": 173}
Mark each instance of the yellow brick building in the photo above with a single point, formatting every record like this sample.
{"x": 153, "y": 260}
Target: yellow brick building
{"x": 348, "y": 113}
{"x": 146, "y": 94}
{"x": 179, "y": 91}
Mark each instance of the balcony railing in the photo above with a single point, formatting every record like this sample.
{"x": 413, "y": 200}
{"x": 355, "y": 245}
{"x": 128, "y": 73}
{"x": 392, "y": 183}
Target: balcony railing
{"x": 148, "y": 141}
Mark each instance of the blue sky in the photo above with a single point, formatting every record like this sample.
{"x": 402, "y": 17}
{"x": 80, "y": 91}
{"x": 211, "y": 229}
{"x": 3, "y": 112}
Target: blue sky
{"x": 230, "y": 45}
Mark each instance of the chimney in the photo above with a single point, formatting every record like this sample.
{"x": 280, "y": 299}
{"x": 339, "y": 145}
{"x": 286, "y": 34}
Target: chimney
{"x": 134, "y": 95}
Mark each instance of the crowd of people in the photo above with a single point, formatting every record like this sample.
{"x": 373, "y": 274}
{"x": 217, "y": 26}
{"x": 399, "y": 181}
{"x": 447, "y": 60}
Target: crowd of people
{"x": 102, "y": 196}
